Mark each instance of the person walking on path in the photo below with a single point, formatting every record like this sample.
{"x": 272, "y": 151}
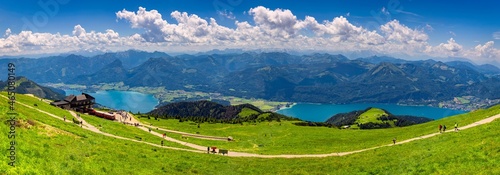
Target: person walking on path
{"x": 444, "y": 128}
{"x": 64, "y": 118}
{"x": 394, "y": 140}
{"x": 208, "y": 150}
{"x": 162, "y": 143}
{"x": 456, "y": 127}
{"x": 440, "y": 128}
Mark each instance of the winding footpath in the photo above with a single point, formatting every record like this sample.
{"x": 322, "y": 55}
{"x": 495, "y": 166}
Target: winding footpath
{"x": 89, "y": 127}
{"x": 203, "y": 149}
{"x": 241, "y": 154}
{"x": 199, "y": 136}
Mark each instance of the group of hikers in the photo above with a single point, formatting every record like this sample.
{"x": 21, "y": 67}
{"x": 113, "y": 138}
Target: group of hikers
{"x": 442, "y": 128}
{"x": 125, "y": 116}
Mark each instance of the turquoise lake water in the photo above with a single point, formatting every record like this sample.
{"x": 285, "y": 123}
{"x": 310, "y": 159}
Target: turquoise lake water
{"x": 124, "y": 100}
{"x": 321, "y": 112}
{"x": 139, "y": 102}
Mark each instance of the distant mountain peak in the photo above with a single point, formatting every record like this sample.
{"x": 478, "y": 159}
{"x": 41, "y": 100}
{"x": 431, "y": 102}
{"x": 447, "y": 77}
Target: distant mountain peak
{"x": 386, "y": 67}
{"x": 116, "y": 63}
{"x": 485, "y": 68}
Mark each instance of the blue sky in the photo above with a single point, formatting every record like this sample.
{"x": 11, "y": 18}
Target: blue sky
{"x": 468, "y": 23}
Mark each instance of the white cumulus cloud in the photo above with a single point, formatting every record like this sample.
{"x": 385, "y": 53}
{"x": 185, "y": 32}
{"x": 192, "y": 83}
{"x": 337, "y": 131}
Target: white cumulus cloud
{"x": 451, "y": 46}
{"x": 394, "y": 31}
{"x": 485, "y": 52}
{"x": 267, "y": 29}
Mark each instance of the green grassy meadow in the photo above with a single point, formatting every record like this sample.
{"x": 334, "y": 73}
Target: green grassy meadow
{"x": 261, "y": 104}
{"x": 127, "y": 131}
{"x": 371, "y": 115}
{"x": 50, "y": 146}
{"x": 246, "y": 112}
{"x": 286, "y": 138}
{"x": 28, "y": 100}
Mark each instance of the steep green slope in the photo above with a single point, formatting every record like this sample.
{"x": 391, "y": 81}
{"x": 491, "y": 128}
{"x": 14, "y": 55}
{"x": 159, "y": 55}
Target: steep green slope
{"x": 26, "y": 86}
{"x": 285, "y": 137}
{"x": 68, "y": 149}
{"x": 126, "y": 131}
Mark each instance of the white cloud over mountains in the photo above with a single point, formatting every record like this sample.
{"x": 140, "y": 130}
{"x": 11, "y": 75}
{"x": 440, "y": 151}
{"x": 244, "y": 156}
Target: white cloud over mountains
{"x": 269, "y": 29}
{"x": 451, "y": 48}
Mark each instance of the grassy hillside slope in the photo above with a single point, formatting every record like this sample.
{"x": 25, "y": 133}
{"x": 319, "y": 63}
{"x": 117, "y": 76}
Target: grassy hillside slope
{"x": 50, "y": 146}
{"x": 26, "y": 86}
{"x": 371, "y": 115}
{"x": 286, "y": 138}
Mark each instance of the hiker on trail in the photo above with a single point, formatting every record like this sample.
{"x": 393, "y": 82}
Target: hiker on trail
{"x": 162, "y": 143}
{"x": 149, "y": 129}
{"x": 440, "y": 128}
{"x": 456, "y": 126}
{"x": 394, "y": 140}
{"x": 64, "y": 118}
{"x": 164, "y": 135}
{"x": 208, "y": 150}
{"x": 444, "y": 128}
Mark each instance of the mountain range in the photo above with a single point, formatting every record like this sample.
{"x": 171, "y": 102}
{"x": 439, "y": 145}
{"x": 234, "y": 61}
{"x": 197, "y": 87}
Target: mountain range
{"x": 320, "y": 78}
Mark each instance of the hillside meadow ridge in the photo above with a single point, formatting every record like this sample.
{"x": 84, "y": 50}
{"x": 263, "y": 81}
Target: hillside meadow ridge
{"x": 47, "y": 145}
